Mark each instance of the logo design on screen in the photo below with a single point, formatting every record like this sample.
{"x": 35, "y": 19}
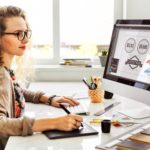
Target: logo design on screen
{"x": 143, "y": 46}
{"x": 133, "y": 62}
{"x": 130, "y": 45}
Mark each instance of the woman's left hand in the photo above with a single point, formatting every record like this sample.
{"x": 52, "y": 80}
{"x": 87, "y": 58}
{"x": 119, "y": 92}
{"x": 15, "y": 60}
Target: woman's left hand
{"x": 57, "y": 100}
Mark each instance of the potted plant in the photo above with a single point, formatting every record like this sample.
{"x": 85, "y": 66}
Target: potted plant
{"x": 103, "y": 57}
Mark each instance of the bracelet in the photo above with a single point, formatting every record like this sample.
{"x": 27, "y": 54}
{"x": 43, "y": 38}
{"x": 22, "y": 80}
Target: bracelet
{"x": 50, "y": 99}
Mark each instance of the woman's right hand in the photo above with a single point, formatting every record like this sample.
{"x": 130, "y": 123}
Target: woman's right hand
{"x": 68, "y": 122}
{"x": 64, "y": 123}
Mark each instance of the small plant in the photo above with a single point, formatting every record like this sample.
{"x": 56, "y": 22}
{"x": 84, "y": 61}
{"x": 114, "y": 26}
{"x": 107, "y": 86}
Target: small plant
{"x": 103, "y": 53}
{"x": 103, "y": 56}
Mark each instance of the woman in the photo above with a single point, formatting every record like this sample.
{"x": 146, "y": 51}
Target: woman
{"x": 14, "y": 37}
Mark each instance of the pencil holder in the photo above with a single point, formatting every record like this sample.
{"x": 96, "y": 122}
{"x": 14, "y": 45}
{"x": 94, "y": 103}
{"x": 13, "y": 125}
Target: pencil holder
{"x": 96, "y": 95}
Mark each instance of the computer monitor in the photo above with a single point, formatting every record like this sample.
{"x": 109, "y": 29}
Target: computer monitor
{"x": 127, "y": 71}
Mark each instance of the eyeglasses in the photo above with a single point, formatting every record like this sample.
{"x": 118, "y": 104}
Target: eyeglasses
{"x": 21, "y": 34}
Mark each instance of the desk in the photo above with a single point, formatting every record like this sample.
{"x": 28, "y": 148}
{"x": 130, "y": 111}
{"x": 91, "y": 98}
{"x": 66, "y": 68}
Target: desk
{"x": 39, "y": 141}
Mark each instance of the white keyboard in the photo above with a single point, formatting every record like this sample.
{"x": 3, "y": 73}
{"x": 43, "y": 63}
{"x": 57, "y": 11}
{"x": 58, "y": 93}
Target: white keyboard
{"x": 80, "y": 109}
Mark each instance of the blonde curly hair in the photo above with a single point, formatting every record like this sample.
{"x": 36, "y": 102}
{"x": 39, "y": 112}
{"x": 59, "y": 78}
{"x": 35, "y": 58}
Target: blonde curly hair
{"x": 23, "y": 65}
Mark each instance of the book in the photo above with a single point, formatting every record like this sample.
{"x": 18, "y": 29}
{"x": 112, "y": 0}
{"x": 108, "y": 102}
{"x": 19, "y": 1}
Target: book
{"x": 146, "y": 131}
{"x": 142, "y": 138}
{"x": 77, "y": 62}
{"x": 132, "y": 145}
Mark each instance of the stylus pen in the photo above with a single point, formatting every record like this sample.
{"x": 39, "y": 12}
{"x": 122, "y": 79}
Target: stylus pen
{"x": 67, "y": 111}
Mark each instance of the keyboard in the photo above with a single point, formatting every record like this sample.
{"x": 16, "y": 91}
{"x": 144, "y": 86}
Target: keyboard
{"x": 79, "y": 109}
{"x": 83, "y": 108}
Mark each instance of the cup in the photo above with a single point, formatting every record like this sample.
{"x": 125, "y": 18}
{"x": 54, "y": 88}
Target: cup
{"x": 96, "y": 95}
{"x": 106, "y": 126}
{"x": 108, "y": 95}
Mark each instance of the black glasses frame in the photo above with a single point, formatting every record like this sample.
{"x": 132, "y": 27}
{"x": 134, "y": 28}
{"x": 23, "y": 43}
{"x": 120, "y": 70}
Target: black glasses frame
{"x": 21, "y": 34}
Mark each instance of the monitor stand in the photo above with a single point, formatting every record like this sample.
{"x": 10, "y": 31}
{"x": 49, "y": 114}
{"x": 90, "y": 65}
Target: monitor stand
{"x": 138, "y": 113}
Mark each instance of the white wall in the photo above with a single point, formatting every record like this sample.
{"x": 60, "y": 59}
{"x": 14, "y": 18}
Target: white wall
{"x": 118, "y": 9}
{"x": 58, "y": 73}
{"x": 137, "y": 9}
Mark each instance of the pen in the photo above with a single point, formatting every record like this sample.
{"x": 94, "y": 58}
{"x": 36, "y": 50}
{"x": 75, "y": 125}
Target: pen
{"x": 97, "y": 121}
{"x": 67, "y": 111}
{"x": 106, "y": 109}
{"x": 85, "y": 81}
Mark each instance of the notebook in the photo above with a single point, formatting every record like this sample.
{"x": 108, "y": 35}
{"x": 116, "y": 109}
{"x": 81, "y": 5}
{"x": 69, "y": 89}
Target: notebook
{"x": 85, "y": 131}
{"x": 131, "y": 145}
{"x": 146, "y": 131}
{"x": 141, "y": 138}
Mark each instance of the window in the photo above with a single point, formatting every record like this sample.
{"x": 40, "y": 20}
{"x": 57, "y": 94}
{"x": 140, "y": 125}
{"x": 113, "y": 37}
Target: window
{"x": 85, "y": 27}
{"x": 68, "y": 28}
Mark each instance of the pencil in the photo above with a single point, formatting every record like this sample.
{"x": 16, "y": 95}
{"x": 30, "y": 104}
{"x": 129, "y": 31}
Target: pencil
{"x": 67, "y": 111}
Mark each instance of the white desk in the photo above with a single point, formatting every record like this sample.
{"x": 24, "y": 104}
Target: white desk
{"x": 39, "y": 141}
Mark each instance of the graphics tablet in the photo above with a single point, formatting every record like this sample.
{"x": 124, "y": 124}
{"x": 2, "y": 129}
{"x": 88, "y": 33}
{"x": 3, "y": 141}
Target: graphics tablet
{"x": 83, "y": 131}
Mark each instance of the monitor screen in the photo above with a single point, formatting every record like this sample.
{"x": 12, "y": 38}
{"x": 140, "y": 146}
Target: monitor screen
{"x": 127, "y": 71}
